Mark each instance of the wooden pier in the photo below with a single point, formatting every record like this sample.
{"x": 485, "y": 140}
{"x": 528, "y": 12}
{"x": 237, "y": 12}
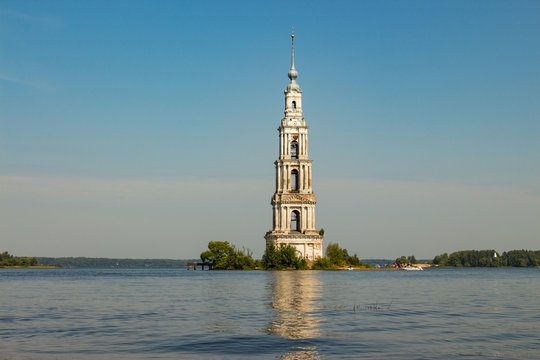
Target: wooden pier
{"x": 194, "y": 265}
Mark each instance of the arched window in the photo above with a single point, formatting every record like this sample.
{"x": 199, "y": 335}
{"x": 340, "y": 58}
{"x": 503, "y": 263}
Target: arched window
{"x": 294, "y": 105}
{"x": 294, "y": 150}
{"x": 294, "y": 180}
{"x": 295, "y": 221}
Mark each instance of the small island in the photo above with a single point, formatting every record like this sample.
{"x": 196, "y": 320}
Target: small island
{"x": 9, "y": 261}
{"x": 223, "y": 256}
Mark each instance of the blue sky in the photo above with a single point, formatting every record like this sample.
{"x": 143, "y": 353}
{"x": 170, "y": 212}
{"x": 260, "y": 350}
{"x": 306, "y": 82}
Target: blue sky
{"x": 147, "y": 129}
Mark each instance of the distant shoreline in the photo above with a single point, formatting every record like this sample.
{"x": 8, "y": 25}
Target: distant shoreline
{"x": 32, "y": 267}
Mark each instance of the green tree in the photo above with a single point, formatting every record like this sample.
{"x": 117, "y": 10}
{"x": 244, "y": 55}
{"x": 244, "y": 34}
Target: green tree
{"x": 283, "y": 257}
{"x": 322, "y": 264}
{"x": 271, "y": 258}
{"x": 402, "y": 261}
{"x": 354, "y": 260}
{"x": 223, "y": 256}
{"x": 219, "y": 255}
{"x": 521, "y": 258}
{"x": 7, "y": 259}
{"x": 336, "y": 255}
{"x": 335, "y": 258}
{"x": 243, "y": 260}
{"x": 455, "y": 259}
{"x": 440, "y": 260}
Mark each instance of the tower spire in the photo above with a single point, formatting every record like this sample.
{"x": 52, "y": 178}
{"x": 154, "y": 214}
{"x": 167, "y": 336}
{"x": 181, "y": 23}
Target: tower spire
{"x": 293, "y": 74}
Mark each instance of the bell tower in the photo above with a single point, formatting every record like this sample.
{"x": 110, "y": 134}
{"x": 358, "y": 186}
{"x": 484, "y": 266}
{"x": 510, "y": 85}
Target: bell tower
{"x": 293, "y": 203}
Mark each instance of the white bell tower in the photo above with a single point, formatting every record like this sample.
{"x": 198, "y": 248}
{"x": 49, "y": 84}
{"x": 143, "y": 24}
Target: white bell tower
{"x": 293, "y": 202}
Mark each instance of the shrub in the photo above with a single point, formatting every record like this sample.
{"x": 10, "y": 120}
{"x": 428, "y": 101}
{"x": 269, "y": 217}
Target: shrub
{"x": 282, "y": 257}
{"x": 322, "y": 264}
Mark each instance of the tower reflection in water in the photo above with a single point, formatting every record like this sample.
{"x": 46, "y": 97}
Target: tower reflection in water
{"x": 295, "y": 313}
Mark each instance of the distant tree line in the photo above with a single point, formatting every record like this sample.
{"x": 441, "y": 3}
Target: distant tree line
{"x": 7, "y": 259}
{"x": 489, "y": 258}
{"x": 86, "y": 262}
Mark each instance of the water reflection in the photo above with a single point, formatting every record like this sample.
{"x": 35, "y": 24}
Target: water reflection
{"x": 302, "y": 353}
{"x": 295, "y": 313}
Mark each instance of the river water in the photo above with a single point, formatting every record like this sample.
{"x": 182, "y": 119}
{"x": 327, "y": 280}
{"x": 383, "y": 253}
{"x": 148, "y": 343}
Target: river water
{"x": 176, "y": 314}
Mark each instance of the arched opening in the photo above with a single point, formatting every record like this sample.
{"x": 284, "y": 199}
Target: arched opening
{"x": 295, "y": 220}
{"x": 294, "y": 105}
{"x": 294, "y": 180}
{"x": 294, "y": 150}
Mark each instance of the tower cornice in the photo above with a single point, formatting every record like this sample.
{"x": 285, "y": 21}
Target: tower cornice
{"x": 293, "y": 161}
{"x": 282, "y": 127}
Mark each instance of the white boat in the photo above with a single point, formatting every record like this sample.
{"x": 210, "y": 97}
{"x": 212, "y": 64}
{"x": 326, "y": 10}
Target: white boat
{"x": 413, "y": 268}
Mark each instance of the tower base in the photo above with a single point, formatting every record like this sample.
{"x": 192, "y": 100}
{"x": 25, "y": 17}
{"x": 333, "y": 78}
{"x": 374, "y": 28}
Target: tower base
{"x": 308, "y": 246}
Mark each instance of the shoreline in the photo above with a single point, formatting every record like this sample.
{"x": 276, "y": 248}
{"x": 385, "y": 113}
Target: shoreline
{"x": 31, "y": 267}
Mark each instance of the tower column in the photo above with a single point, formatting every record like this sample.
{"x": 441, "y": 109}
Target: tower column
{"x": 286, "y": 218}
{"x": 301, "y": 177}
{"x": 305, "y": 177}
{"x": 284, "y": 175}
{"x": 277, "y": 176}
{"x": 281, "y": 146}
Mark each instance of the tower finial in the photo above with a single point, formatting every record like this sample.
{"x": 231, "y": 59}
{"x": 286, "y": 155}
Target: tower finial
{"x": 292, "y": 52}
